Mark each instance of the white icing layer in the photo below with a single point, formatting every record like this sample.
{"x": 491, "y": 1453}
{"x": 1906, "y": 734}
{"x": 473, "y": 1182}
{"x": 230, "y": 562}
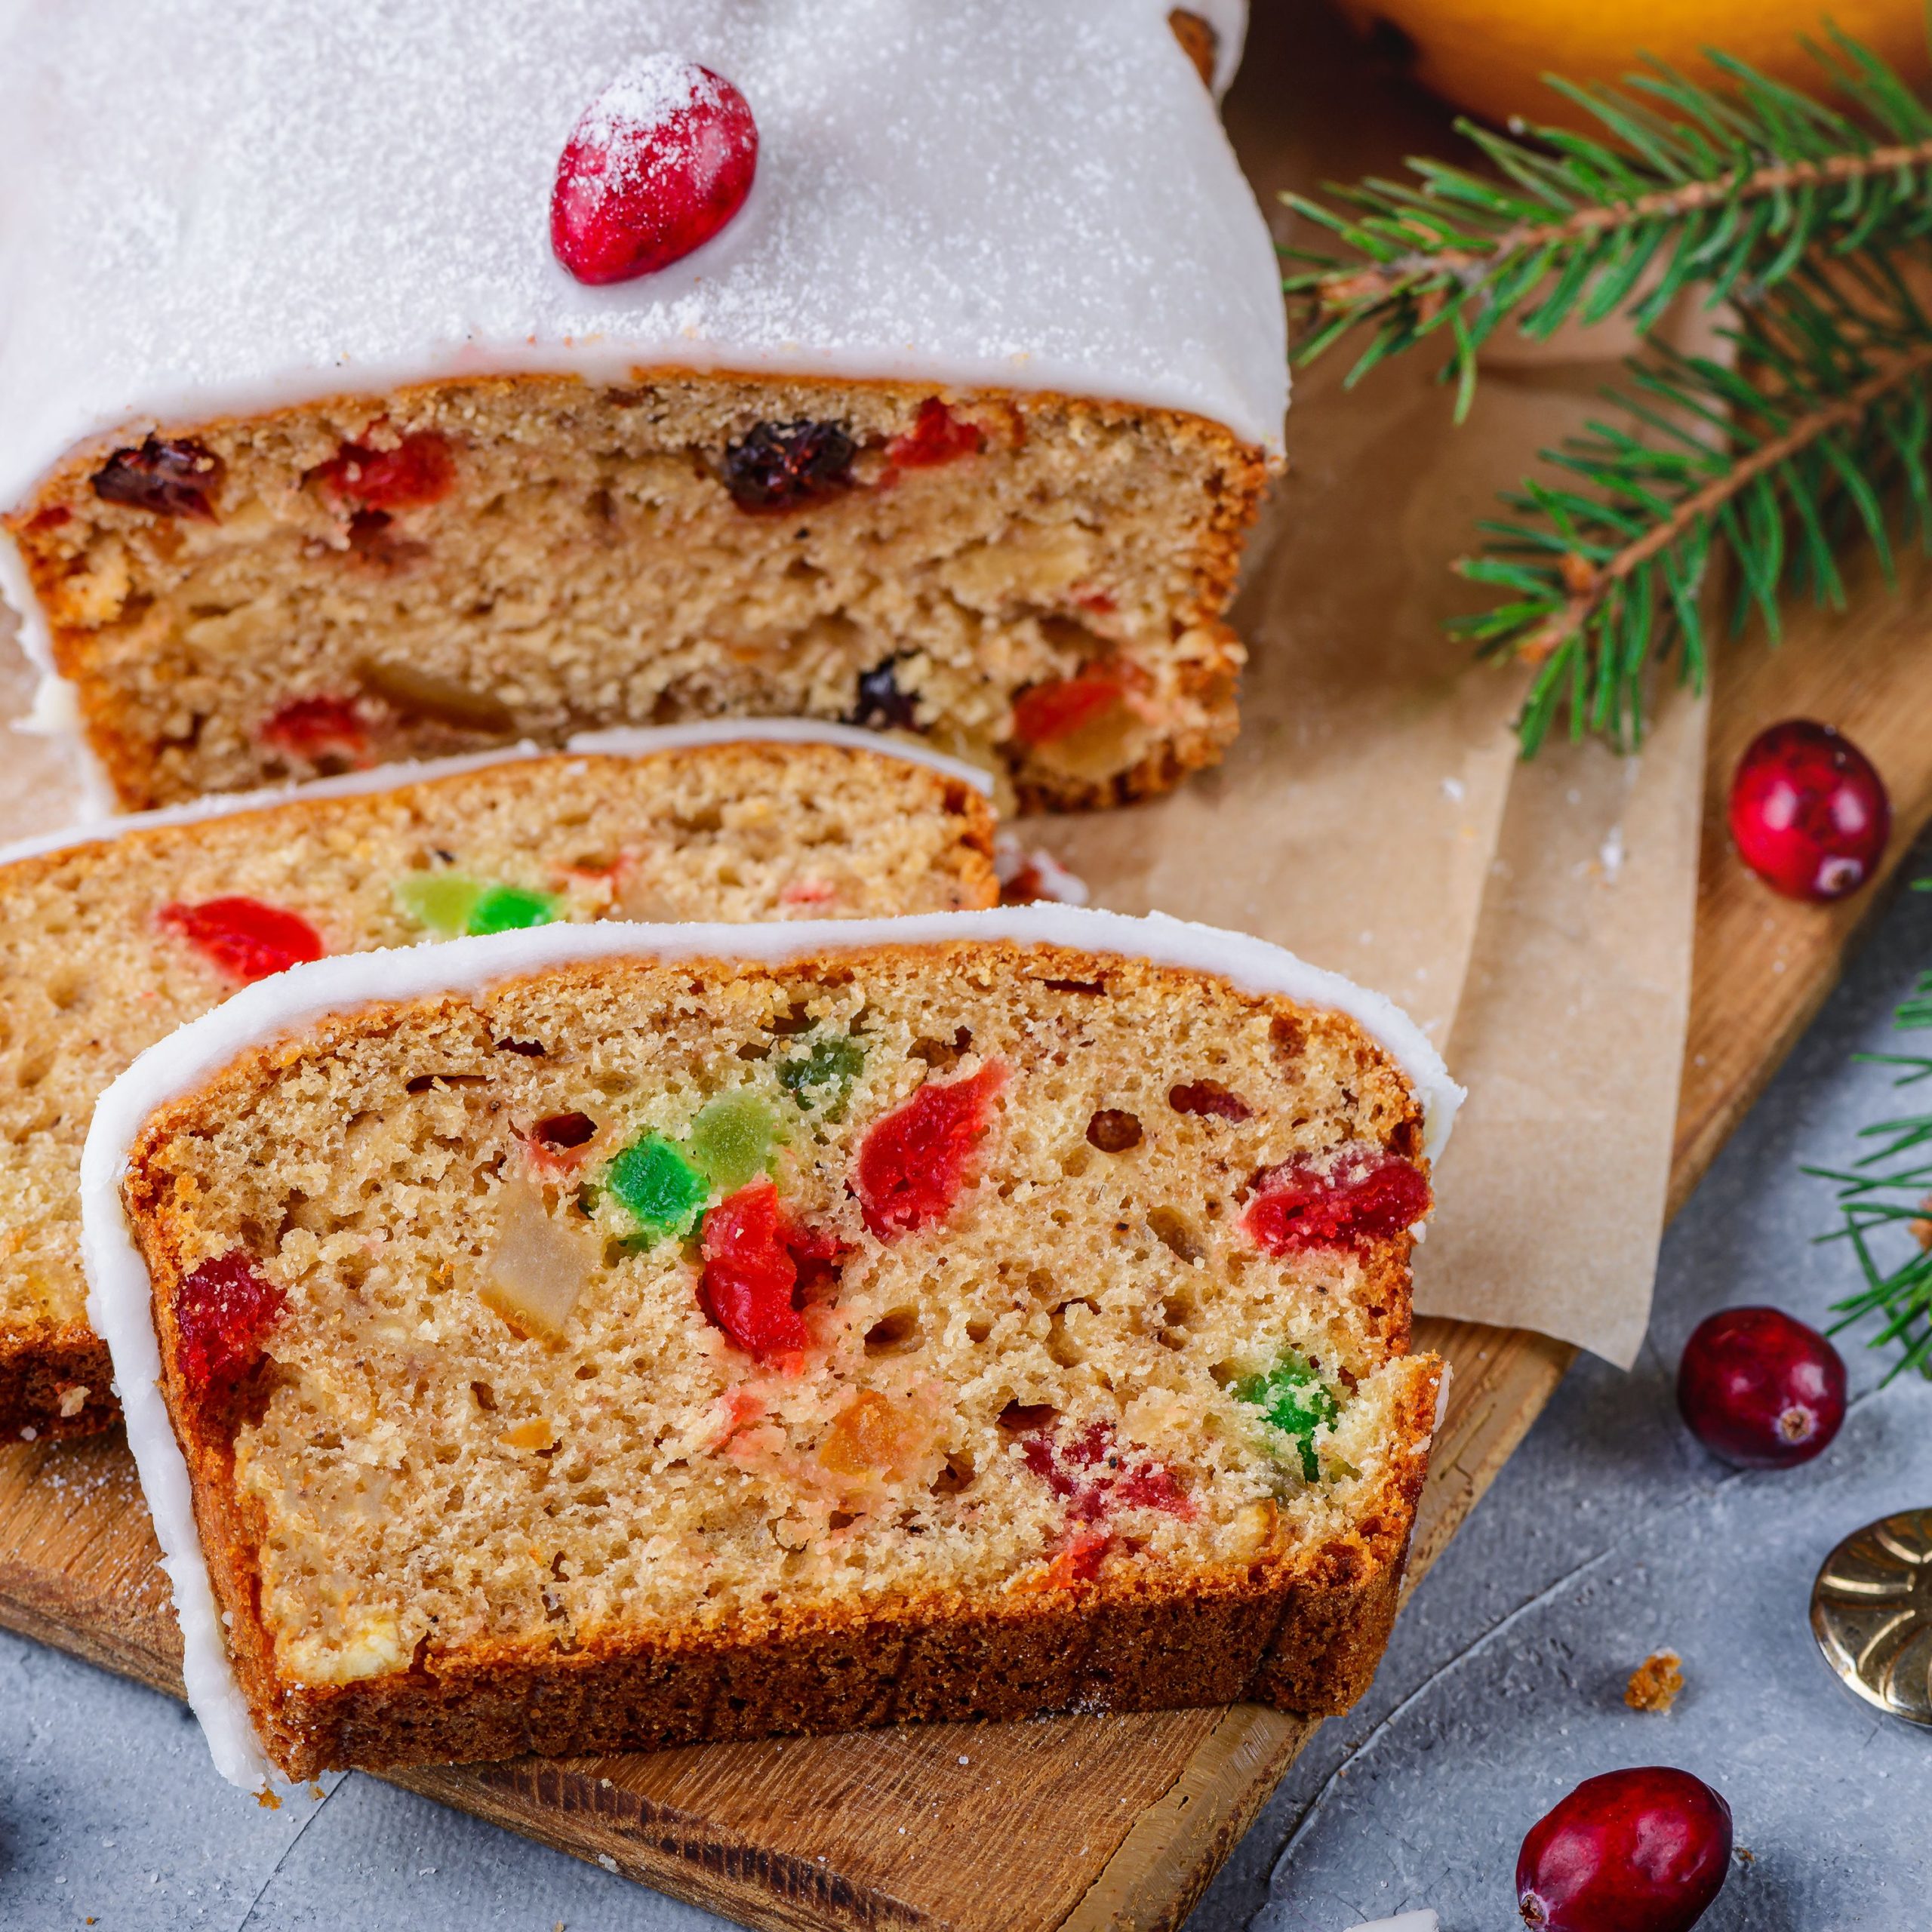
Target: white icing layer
{"x": 207, "y": 209}
{"x": 119, "y": 1300}
{"x": 624, "y": 741}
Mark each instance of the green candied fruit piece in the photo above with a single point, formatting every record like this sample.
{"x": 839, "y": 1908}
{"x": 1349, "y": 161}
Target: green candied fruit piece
{"x": 732, "y": 1138}
{"x": 656, "y": 1186}
{"x": 444, "y": 902}
{"x": 508, "y": 909}
{"x": 824, "y": 1071}
{"x": 1293, "y": 1398}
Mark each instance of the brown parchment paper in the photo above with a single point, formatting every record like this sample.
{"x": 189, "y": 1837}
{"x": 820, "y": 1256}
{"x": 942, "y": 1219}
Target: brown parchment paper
{"x": 1374, "y": 815}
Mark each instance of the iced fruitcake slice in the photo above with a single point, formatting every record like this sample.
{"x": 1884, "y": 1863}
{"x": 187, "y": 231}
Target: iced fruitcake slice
{"x": 110, "y": 937}
{"x": 580, "y": 1340}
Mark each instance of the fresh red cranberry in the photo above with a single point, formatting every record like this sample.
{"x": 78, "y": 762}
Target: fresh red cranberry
{"x": 175, "y": 478}
{"x": 1353, "y": 1198}
{"x": 781, "y": 466}
{"x": 222, "y": 1312}
{"x": 936, "y": 436}
{"x": 1047, "y": 712}
{"x": 1096, "y": 1475}
{"x": 1640, "y": 1850}
{"x": 1808, "y": 813}
{"x": 911, "y": 1165}
{"x": 1761, "y": 1389}
{"x": 660, "y": 161}
{"x": 420, "y": 470}
{"x": 316, "y": 727}
{"x": 247, "y": 940}
{"x": 749, "y": 1284}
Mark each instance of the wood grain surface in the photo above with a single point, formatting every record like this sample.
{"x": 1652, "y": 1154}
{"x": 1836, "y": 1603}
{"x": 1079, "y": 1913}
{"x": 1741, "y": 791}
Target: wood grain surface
{"x": 1079, "y": 1823}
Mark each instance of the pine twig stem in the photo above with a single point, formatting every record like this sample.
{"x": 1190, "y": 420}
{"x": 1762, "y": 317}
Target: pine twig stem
{"x": 1590, "y": 583}
{"x": 1358, "y": 284}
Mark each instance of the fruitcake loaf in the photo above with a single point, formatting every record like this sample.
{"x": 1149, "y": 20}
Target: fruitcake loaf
{"x": 947, "y": 411}
{"x": 109, "y": 938}
{"x": 611, "y": 1336}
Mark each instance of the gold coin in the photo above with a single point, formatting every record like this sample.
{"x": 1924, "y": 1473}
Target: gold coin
{"x": 1871, "y": 1614}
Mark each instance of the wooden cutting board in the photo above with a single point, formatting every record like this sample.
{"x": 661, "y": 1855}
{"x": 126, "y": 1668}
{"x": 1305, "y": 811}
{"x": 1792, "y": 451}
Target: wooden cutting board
{"x": 1076, "y": 1823}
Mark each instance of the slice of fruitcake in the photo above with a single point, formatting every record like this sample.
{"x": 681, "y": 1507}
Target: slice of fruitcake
{"x": 111, "y": 937}
{"x": 639, "y": 360}
{"x": 586, "y": 1339}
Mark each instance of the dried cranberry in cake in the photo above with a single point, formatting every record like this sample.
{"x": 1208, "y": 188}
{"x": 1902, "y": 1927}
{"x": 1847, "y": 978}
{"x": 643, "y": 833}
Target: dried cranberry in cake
{"x": 936, "y": 436}
{"x": 1045, "y": 713}
{"x": 749, "y": 1287}
{"x": 314, "y": 728}
{"x": 223, "y": 1312}
{"x": 1352, "y": 1197}
{"x": 911, "y": 1164}
{"x": 175, "y": 479}
{"x": 781, "y": 466}
{"x": 1209, "y": 1097}
{"x": 247, "y": 940}
{"x": 881, "y": 703}
{"x": 420, "y": 470}
{"x": 660, "y": 161}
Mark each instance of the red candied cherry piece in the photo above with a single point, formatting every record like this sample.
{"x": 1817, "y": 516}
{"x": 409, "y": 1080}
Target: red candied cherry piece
{"x": 911, "y": 1165}
{"x": 1809, "y": 814}
{"x": 1645, "y": 1850}
{"x": 1050, "y": 712}
{"x": 660, "y": 161}
{"x": 420, "y": 470}
{"x": 1356, "y": 1197}
{"x": 247, "y": 940}
{"x": 752, "y": 1252}
{"x": 310, "y": 728}
{"x": 1095, "y": 1477}
{"x": 936, "y": 436}
{"x": 222, "y": 1312}
{"x": 1078, "y": 1562}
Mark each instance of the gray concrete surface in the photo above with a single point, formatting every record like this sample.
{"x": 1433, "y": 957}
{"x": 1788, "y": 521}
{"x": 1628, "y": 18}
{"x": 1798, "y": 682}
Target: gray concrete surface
{"x": 1609, "y": 1534}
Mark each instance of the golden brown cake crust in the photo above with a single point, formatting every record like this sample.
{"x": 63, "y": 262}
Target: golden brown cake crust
{"x": 1300, "y": 1625}
{"x": 101, "y": 621}
{"x": 55, "y": 1382}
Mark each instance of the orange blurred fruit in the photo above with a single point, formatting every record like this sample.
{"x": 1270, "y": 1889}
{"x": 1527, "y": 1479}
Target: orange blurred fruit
{"x": 1490, "y": 56}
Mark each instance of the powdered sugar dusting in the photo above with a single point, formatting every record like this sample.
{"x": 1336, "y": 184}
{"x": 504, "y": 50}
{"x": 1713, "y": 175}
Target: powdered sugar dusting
{"x": 1030, "y": 193}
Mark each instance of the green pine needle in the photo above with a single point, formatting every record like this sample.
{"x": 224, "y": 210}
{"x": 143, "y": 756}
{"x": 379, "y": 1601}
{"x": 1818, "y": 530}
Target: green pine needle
{"x": 1812, "y": 220}
{"x": 1884, "y": 1207}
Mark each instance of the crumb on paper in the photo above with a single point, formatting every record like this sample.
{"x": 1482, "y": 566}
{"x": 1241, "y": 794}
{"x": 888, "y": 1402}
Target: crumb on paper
{"x": 1656, "y": 1683}
{"x": 316, "y": 1790}
{"x": 267, "y": 1800}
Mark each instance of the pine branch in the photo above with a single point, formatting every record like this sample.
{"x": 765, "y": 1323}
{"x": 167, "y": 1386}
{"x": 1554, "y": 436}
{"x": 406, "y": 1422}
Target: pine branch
{"x": 1876, "y": 1206}
{"x": 1784, "y": 458}
{"x": 1731, "y": 192}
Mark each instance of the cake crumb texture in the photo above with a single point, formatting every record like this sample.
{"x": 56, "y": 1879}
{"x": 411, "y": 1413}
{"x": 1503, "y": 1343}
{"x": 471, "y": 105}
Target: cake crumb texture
{"x": 107, "y": 947}
{"x": 1030, "y": 581}
{"x": 632, "y": 1353}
